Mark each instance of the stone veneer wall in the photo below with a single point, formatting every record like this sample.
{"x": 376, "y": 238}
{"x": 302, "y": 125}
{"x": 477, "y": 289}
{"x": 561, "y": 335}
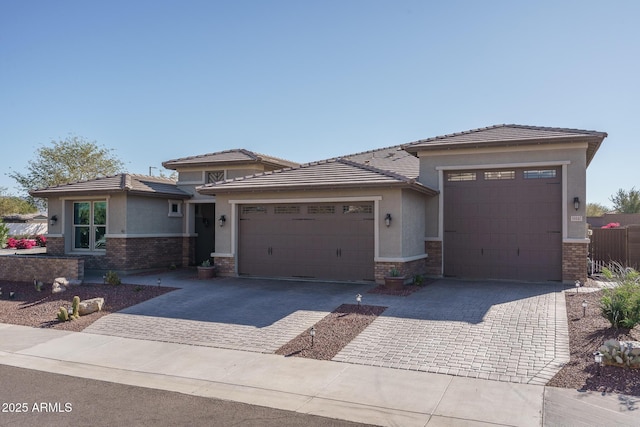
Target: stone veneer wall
{"x": 574, "y": 262}
{"x": 434, "y": 262}
{"x": 225, "y": 266}
{"x": 408, "y": 269}
{"x": 188, "y": 251}
{"x": 55, "y": 246}
{"x": 25, "y": 268}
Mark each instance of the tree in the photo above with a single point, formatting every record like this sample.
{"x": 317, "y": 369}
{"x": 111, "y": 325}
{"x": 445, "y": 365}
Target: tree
{"x": 73, "y": 159}
{"x": 596, "y": 209}
{"x": 14, "y": 205}
{"x": 626, "y": 201}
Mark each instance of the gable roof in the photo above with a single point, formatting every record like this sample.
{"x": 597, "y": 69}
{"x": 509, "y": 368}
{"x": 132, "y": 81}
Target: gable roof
{"x": 133, "y": 184}
{"x": 509, "y": 135}
{"x": 226, "y": 158}
{"x": 339, "y": 173}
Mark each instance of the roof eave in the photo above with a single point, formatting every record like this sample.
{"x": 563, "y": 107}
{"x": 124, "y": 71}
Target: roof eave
{"x": 216, "y": 190}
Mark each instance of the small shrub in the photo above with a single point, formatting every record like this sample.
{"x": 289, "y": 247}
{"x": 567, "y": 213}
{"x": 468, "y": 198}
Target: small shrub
{"x": 621, "y": 305}
{"x": 112, "y": 278}
{"x": 41, "y": 240}
{"x": 394, "y": 272}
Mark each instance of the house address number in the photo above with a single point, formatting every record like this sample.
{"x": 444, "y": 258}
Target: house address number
{"x": 576, "y": 218}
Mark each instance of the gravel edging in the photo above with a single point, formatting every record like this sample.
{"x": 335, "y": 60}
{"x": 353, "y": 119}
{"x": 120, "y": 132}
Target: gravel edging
{"x": 333, "y": 332}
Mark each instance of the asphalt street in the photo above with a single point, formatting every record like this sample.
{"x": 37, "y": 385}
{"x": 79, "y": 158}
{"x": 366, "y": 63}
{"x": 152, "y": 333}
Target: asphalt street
{"x": 35, "y": 398}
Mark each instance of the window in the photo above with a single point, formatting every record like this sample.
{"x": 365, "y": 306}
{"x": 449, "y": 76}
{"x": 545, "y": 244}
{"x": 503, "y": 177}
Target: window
{"x": 540, "y": 174}
{"x": 286, "y": 210}
{"x": 321, "y": 209}
{"x": 250, "y": 210}
{"x": 215, "y": 176}
{"x": 175, "y": 208}
{"x": 489, "y": 176}
{"x": 89, "y": 225}
{"x": 354, "y": 209}
{"x": 461, "y": 176}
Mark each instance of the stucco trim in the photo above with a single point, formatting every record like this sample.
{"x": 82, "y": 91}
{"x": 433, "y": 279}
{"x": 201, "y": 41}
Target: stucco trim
{"x": 502, "y": 165}
{"x": 583, "y": 241}
{"x": 402, "y": 259}
{"x": 221, "y": 255}
{"x": 433, "y": 239}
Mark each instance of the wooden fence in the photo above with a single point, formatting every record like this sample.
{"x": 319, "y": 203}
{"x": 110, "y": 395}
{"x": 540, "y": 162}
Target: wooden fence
{"x": 621, "y": 245}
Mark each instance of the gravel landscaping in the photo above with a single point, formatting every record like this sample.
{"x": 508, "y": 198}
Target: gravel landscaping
{"x": 586, "y": 334}
{"x": 39, "y": 309}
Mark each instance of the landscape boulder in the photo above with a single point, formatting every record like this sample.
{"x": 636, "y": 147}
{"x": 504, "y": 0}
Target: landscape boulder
{"x": 89, "y": 306}
{"x": 59, "y": 285}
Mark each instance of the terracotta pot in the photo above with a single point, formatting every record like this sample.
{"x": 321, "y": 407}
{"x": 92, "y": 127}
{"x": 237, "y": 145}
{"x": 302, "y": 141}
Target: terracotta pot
{"x": 206, "y": 272}
{"x": 395, "y": 282}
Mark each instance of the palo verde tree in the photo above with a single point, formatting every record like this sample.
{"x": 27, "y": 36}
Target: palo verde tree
{"x": 626, "y": 201}
{"x": 13, "y": 204}
{"x": 73, "y": 159}
{"x": 596, "y": 209}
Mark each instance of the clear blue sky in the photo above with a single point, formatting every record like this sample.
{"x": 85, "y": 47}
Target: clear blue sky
{"x": 308, "y": 80}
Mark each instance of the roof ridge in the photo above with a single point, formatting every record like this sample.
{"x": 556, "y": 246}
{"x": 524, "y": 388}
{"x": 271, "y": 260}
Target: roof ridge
{"x": 503, "y": 125}
{"x": 385, "y": 172}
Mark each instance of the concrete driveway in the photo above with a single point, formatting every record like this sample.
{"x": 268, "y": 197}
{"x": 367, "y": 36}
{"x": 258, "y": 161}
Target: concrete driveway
{"x": 514, "y": 332}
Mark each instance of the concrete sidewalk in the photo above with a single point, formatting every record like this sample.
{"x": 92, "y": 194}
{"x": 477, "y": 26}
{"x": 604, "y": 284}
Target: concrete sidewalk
{"x": 379, "y": 396}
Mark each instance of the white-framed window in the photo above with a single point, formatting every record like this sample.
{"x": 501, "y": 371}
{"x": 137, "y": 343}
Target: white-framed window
{"x": 90, "y": 225}
{"x": 499, "y": 175}
{"x": 175, "y": 208}
{"x": 539, "y": 174}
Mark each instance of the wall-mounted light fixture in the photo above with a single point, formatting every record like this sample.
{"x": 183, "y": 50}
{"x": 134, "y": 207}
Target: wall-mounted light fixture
{"x": 222, "y": 220}
{"x": 576, "y": 203}
{"x": 53, "y": 220}
{"x": 387, "y": 219}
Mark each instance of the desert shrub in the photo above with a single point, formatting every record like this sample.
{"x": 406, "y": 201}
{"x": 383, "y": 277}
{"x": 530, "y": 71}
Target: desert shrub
{"x": 620, "y": 305}
{"x": 112, "y": 278}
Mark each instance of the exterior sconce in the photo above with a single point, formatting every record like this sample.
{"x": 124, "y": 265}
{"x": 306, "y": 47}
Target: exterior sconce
{"x": 576, "y": 203}
{"x": 222, "y": 220}
{"x": 53, "y": 220}
{"x": 387, "y": 219}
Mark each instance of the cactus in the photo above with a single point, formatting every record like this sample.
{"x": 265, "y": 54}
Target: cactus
{"x": 76, "y": 307}
{"x": 63, "y": 315}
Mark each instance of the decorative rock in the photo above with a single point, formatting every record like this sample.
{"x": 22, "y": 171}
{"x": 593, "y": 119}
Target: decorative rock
{"x": 58, "y": 288}
{"x": 90, "y": 306}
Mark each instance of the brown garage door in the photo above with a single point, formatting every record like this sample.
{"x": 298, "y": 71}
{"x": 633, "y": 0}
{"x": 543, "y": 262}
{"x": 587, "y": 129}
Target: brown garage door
{"x": 503, "y": 224}
{"x": 331, "y": 241}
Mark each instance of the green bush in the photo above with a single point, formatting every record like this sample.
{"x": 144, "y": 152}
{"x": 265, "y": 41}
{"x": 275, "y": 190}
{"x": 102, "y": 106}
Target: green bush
{"x": 112, "y": 278}
{"x": 620, "y": 305}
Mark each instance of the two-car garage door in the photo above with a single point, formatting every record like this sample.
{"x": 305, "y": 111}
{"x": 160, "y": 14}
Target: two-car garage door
{"x": 333, "y": 241}
{"x": 503, "y": 224}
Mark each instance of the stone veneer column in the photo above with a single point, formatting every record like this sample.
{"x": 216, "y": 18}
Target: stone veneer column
{"x": 225, "y": 266}
{"x": 434, "y": 262}
{"x": 574, "y": 261}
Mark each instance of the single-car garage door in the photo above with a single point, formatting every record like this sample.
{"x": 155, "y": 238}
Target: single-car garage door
{"x": 503, "y": 224}
{"x": 333, "y": 241}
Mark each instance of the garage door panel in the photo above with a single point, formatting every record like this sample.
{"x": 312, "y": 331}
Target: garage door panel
{"x": 301, "y": 240}
{"x": 516, "y": 225}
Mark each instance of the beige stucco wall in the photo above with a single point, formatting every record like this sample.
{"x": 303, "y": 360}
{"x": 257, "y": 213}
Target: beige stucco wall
{"x": 150, "y": 215}
{"x": 231, "y": 172}
{"x": 396, "y": 241}
{"x": 571, "y": 156}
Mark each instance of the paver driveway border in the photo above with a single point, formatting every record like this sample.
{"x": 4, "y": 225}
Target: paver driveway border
{"x": 514, "y": 332}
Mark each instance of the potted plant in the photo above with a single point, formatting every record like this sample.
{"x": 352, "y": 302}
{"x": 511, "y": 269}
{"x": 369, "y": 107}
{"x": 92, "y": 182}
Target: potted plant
{"x": 206, "y": 270}
{"x": 394, "y": 280}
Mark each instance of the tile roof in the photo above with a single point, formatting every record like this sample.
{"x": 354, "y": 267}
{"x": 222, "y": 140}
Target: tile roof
{"x": 228, "y": 157}
{"x": 508, "y": 135}
{"x": 130, "y": 183}
{"x": 393, "y": 159}
{"x": 338, "y": 173}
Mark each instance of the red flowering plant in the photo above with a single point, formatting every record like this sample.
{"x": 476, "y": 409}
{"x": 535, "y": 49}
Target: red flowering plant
{"x": 25, "y": 244}
{"x": 612, "y": 225}
{"x": 41, "y": 240}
